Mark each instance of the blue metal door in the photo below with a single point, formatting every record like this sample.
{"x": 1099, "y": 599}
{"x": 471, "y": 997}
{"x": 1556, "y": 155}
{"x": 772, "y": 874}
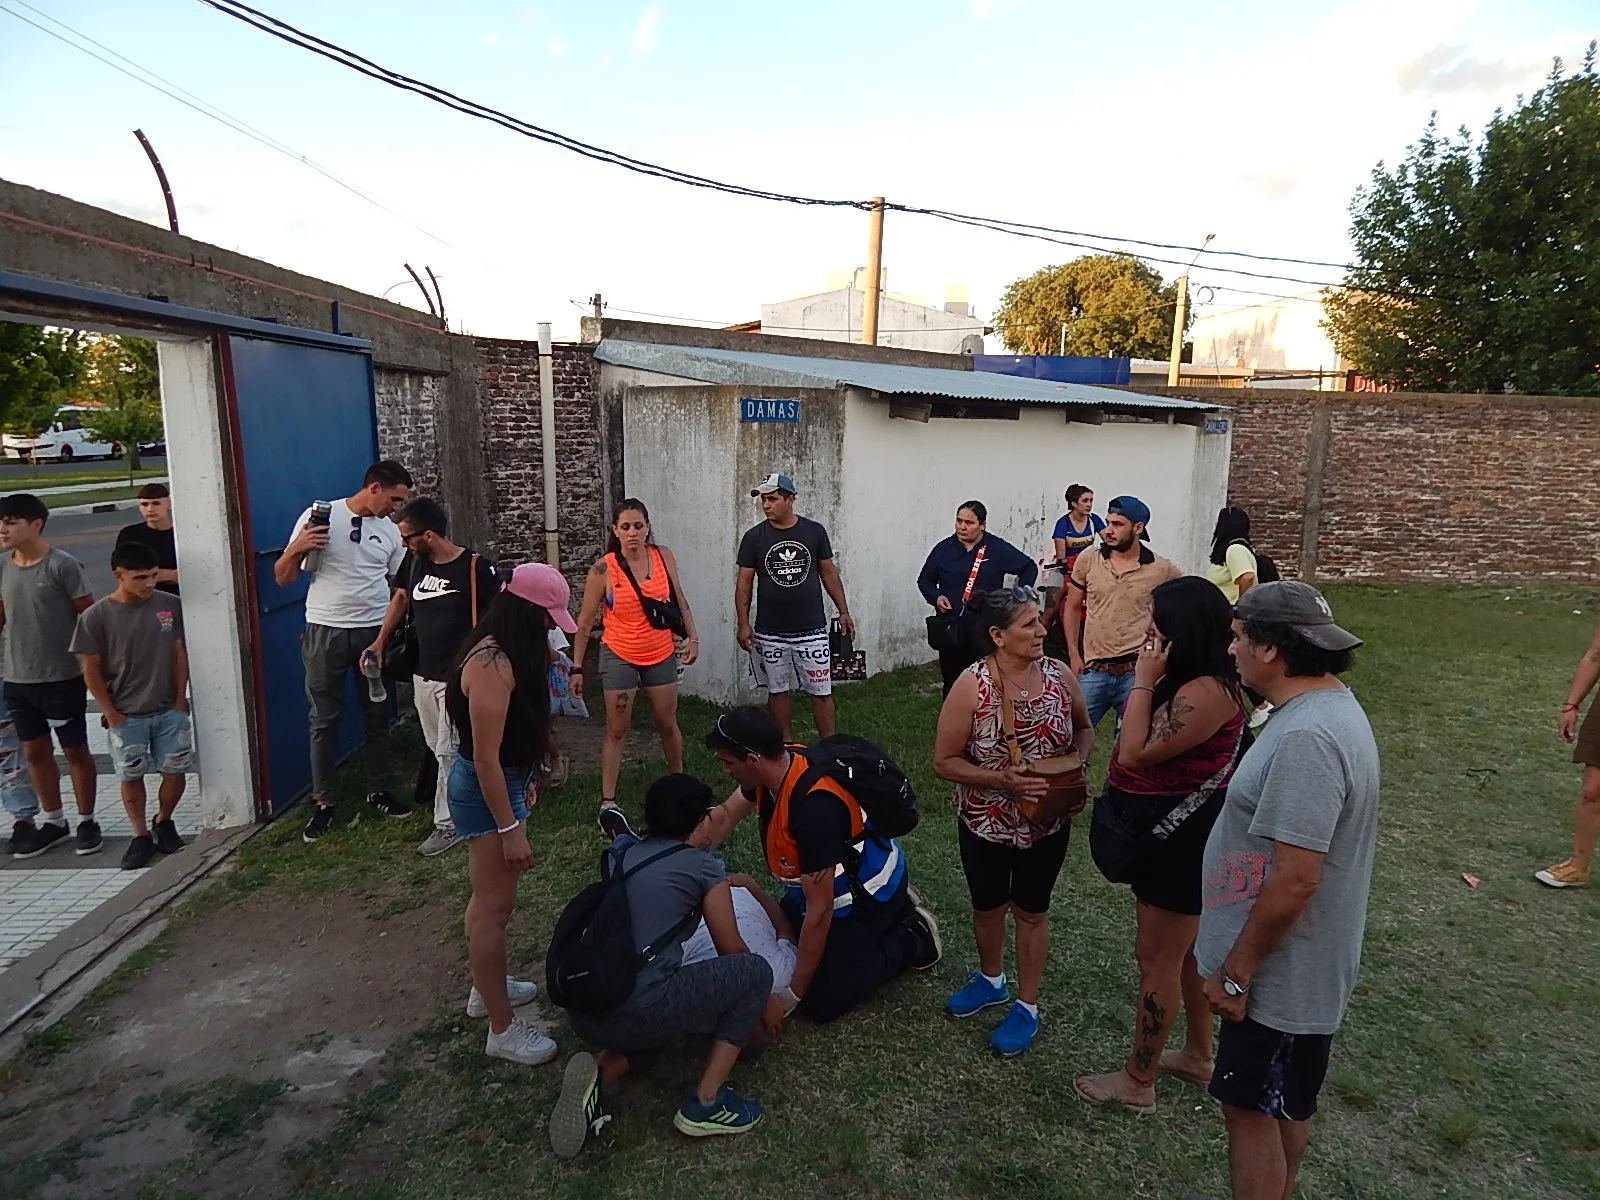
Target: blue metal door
{"x": 306, "y": 429}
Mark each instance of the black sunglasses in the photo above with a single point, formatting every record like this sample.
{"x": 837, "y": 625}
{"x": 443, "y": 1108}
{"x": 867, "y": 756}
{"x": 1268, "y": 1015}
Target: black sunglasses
{"x": 734, "y": 742}
{"x": 355, "y": 529}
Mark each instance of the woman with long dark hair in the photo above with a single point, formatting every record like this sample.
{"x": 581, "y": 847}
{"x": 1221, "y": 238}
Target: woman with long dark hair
{"x": 1180, "y": 740}
{"x": 1233, "y": 558}
{"x": 1010, "y": 862}
{"x": 636, "y": 655}
{"x": 969, "y": 561}
{"x": 498, "y": 700}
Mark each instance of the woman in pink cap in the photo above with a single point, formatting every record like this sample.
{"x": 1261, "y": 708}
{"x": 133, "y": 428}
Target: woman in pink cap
{"x": 498, "y": 700}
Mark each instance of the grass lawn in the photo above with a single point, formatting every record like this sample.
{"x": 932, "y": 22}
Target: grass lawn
{"x": 107, "y": 472}
{"x": 91, "y": 496}
{"x": 1463, "y": 1069}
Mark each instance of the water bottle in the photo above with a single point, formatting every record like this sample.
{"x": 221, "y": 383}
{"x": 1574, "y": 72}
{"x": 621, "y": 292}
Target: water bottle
{"x": 376, "y": 692}
{"x": 321, "y": 512}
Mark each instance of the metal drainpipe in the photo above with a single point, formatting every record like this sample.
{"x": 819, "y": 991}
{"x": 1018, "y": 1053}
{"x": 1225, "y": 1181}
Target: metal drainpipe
{"x": 547, "y": 442}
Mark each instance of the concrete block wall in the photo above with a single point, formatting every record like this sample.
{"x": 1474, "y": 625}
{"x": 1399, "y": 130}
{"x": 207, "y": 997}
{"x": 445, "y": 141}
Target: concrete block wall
{"x": 513, "y": 453}
{"x": 1420, "y": 487}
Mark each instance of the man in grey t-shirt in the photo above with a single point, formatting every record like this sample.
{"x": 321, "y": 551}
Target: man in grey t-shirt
{"x": 1287, "y": 870}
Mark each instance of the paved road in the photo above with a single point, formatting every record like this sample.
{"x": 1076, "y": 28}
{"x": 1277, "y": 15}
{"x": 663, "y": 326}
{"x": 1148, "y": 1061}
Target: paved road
{"x": 10, "y": 467}
{"x": 88, "y": 537}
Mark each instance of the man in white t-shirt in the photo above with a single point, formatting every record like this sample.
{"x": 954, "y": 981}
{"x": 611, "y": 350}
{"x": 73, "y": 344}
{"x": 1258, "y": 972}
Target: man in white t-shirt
{"x": 360, "y": 550}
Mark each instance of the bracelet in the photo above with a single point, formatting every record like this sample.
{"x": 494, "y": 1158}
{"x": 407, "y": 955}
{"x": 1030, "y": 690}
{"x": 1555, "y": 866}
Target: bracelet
{"x": 1566, "y": 708}
{"x": 1139, "y": 687}
{"x": 509, "y": 827}
{"x": 575, "y": 671}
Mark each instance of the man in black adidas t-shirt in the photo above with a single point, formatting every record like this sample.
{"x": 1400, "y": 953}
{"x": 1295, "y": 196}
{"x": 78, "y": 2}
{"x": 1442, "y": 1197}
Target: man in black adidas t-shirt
{"x": 435, "y": 585}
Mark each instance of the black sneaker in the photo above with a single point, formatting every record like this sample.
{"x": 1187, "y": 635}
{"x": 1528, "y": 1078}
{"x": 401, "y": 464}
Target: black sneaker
{"x": 920, "y": 920}
{"x": 321, "y": 821}
{"x": 613, "y": 824}
{"x": 139, "y": 853}
{"x": 167, "y": 839}
{"x": 46, "y": 835}
{"x": 88, "y": 836}
{"x": 388, "y": 805}
{"x": 22, "y": 835}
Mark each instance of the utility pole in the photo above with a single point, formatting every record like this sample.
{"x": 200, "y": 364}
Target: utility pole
{"x": 869, "y": 322}
{"x": 1063, "y": 339}
{"x": 599, "y": 305}
{"x": 1182, "y": 313}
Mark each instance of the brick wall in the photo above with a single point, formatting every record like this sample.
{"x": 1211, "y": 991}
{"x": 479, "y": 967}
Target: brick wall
{"x": 509, "y": 399}
{"x": 408, "y": 422}
{"x": 1422, "y": 487}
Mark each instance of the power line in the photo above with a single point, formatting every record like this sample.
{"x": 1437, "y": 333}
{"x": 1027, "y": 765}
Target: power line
{"x": 206, "y": 109}
{"x": 290, "y": 34}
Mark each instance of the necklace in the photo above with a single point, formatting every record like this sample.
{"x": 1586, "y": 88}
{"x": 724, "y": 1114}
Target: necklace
{"x": 1021, "y": 691}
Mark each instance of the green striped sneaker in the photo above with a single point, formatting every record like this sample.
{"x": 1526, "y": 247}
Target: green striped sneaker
{"x": 578, "y": 1111}
{"x": 728, "y": 1113}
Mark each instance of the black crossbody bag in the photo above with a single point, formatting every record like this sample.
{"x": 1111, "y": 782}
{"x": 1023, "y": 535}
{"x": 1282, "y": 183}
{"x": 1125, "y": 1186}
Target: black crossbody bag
{"x": 661, "y": 614}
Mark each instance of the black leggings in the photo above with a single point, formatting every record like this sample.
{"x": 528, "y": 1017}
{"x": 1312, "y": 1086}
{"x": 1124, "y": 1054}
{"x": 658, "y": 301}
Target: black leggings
{"x": 999, "y": 875}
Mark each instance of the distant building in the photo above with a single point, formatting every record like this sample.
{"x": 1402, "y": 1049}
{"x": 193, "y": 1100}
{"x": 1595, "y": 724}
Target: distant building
{"x": 903, "y": 322}
{"x": 1278, "y": 342}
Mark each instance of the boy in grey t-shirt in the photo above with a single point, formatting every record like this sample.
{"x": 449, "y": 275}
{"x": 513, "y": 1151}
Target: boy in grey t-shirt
{"x": 131, "y": 647}
{"x": 42, "y": 591}
{"x": 1287, "y": 870}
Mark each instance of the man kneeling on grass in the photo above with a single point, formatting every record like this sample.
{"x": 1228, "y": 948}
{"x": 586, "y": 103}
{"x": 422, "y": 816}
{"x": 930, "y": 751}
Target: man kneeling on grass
{"x": 135, "y": 665}
{"x": 1285, "y": 879}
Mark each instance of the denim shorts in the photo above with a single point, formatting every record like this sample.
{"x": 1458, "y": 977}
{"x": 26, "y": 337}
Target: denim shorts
{"x": 155, "y": 744}
{"x": 469, "y": 811}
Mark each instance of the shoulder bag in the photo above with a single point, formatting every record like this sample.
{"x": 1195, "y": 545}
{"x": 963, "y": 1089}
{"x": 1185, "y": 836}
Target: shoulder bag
{"x": 400, "y": 651}
{"x": 1117, "y": 844}
{"x": 944, "y": 628}
{"x": 1064, "y": 772}
{"x": 660, "y": 614}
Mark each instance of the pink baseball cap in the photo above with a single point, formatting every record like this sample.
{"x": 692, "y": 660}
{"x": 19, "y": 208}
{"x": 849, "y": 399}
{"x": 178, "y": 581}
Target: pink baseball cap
{"x": 542, "y": 584}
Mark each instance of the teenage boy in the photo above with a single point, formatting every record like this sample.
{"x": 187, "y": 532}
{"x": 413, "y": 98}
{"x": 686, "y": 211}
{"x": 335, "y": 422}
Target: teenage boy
{"x": 787, "y": 561}
{"x": 134, "y": 661}
{"x": 1286, "y": 875}
{"x": 847, "y": 892}
{"x": 445, "y": 588}
{"x": 155, "y": 531}
{"x": 42, "y": 591}
{"x": 360, "y": 553}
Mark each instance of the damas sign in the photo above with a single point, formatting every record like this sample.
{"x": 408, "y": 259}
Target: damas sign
{"x": 769, "y": 410}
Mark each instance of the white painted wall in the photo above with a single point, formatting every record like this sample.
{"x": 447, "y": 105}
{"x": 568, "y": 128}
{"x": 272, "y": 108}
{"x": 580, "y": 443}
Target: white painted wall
{"x": 887, "y": 491}
{"x": 219, "y": 684}
{"x": 837, "y": 316}
{"x": 1282, "y": 334}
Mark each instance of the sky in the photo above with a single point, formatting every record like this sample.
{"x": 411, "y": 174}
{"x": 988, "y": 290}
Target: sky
{"x": 1255, "y": 121}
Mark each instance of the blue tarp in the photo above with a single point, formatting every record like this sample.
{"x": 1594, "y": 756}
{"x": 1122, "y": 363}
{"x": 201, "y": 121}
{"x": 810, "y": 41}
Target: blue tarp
{"x": 1070, "y": 368}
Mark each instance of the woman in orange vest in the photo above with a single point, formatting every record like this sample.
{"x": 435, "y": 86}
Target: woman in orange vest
{"x": 646, "y": 613}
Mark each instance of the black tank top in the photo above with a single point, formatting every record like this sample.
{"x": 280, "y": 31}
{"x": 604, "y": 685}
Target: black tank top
{"x": 521, "y": 743}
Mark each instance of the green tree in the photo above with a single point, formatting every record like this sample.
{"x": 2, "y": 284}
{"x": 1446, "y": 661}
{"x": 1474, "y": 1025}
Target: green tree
{"x": 1112, "y": 305}
{"x": 123, "y": 378}
{"x": 1475, "y": 258}
{"x": 38, "y": 370}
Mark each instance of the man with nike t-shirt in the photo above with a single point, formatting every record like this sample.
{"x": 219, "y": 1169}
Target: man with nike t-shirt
{"x": 434, "y": 584}
{"x": 787, "y": 561}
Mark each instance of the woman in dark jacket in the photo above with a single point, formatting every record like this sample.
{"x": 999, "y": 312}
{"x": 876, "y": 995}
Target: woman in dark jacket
{"x": 969, "y": 560}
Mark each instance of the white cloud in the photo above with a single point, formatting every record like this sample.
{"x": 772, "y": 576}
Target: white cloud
{"x": 1272, "y": 183}
{"x": 556, "y": 46}
{"x": 644, "y": 33}
{"x": 1448, "y": 69}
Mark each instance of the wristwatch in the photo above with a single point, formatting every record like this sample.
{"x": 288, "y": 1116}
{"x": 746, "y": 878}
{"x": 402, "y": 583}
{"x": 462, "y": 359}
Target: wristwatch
{"x": 1234, "y": 989}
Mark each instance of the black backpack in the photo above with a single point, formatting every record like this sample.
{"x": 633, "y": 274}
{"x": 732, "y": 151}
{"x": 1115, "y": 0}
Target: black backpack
{"x": 1266, "y": 570}
{"x": 592, "y": 963}
{"x": 869, "y": 775}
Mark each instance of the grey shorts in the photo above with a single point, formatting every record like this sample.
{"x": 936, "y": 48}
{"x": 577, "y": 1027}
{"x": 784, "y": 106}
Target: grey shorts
{"x": 617, "y": 674}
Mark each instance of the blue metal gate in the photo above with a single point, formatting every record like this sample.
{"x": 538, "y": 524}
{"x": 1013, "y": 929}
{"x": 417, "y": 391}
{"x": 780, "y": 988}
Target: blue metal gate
{"x": 306, "y": 429}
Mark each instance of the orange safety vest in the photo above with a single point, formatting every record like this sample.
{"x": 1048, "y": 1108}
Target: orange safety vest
{"x": 783, "y": 853}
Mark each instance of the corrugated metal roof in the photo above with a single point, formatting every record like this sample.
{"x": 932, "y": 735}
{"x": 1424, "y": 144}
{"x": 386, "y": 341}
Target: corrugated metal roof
{"x": 736, "y": 367}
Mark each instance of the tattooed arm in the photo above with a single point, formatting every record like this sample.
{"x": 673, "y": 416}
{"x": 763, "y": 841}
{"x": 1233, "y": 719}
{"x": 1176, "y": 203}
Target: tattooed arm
{"x": 1201, "y": 707}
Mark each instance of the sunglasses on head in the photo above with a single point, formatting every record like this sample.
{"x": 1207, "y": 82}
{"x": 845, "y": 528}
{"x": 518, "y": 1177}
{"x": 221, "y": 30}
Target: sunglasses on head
{"x": 727, "y": 737}
{"x": 1021, "y": 594}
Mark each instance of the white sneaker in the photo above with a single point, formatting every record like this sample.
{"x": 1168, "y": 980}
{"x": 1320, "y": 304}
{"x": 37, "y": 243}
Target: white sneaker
{"x": 517, "y": 991}
{"x": 519, "y": 1042}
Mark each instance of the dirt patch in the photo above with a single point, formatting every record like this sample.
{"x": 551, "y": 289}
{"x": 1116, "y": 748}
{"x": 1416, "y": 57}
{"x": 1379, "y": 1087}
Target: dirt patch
{"x": 242, "y": 1039}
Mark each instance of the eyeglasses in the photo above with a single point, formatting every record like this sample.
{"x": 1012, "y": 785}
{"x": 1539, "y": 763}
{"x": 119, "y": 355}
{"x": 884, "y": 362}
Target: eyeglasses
{"x": 355, "y": 529}
{"x": 734, "y": 742}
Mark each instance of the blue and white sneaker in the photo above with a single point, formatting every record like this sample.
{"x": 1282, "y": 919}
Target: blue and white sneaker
{"x": 728, "y": 1113}
{"x": 977, "y": 995}
{"x": 1015, "y": 1033}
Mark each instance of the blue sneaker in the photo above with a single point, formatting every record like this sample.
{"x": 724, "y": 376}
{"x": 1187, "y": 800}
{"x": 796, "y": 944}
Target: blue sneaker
{"x": 728, "y": 1113}
{"x": 1015, "y": 1033}
{"x": 978, "y": 995}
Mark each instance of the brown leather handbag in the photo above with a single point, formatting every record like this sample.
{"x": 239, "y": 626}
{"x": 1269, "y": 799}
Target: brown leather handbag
{"x": 1068, "y": 793}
